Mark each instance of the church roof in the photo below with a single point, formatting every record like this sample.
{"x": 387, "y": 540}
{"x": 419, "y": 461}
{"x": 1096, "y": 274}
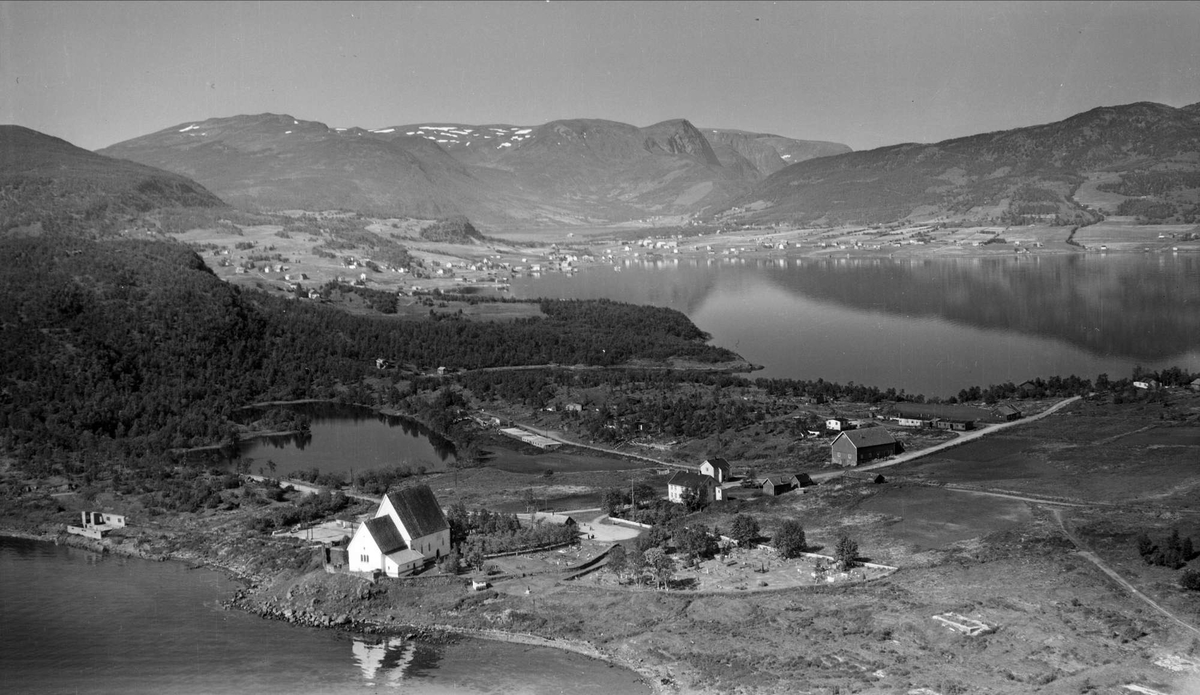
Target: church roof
{"x": 383, "y": 530}
{"x": 418, "y": 510}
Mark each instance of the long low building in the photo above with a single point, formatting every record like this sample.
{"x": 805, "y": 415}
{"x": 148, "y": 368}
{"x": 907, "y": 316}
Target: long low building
{"x": 530, "y": 438}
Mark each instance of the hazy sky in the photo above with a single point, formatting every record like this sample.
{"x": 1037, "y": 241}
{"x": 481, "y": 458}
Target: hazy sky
{"x": 866, "y": 74}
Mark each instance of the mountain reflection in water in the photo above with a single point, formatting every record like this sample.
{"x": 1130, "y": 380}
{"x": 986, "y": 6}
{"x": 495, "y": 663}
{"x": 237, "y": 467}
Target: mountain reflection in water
{"x": 926, "y": 325}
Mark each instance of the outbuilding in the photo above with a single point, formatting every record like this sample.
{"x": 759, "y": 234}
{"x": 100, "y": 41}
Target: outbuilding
{"x": 859, "y": 446}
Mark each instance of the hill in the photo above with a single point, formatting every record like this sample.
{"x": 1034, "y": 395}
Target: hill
{"x": 49, "y": 182}
{"x": 1139, "y": 159}
{"x": 562, "y": 173}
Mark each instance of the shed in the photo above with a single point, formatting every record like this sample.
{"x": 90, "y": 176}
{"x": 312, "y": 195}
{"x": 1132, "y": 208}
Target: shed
{"x": 776, "y": 485}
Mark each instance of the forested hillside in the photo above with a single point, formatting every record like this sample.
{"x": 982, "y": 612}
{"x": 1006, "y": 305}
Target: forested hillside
{"x": 133, "y": 347}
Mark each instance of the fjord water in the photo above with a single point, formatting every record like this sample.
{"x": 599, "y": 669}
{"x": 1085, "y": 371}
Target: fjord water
{"x": 72, "y": 621}
{"x": 922, "y": 325}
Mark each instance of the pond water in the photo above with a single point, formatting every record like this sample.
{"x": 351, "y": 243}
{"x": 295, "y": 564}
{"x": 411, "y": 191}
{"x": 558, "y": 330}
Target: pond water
{"x": 73, "y": 621}
{"x": 346, "y": 438}
{"x": 931, "y": 326}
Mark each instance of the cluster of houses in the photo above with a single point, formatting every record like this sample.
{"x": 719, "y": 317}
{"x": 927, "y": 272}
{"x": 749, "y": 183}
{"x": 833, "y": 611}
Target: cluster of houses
{"x": 711, "y": 481}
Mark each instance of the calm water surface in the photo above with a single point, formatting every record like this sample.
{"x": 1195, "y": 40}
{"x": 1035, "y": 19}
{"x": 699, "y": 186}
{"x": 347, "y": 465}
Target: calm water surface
{"x": 931, "y": 326}
{"x": 72, "y": 621}
{"x": 346, "y": 438}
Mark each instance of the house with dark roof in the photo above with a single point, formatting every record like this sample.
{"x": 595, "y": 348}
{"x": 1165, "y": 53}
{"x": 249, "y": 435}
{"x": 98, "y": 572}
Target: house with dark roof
{"x": 859, "y": 446}
{"x": 409, "y": 531}
{"x": 701, "y": 485}
{"x": 715, "y": 468}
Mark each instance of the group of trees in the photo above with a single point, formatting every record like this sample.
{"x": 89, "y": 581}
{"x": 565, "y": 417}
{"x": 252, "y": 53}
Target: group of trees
{"x": 475, "y": 534}
{"x": 1173, "y": 551}
{"x": 656, "y": 554}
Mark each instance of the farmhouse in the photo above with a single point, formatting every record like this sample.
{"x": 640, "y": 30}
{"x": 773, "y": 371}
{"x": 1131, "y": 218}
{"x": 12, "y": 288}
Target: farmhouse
{"x": 700, "y": 485}
{"x": 859, "y": 446}
{"x": 409, "y": 531}
{"x": 837, "y": 424}
{"x": 715, "y": 468}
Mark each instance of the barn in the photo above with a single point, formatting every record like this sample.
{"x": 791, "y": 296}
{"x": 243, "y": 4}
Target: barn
{"x": 859, "y": 446}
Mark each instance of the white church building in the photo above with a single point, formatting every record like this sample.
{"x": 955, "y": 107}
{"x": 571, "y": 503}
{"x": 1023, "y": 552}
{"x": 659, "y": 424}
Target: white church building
{"x": 408, "y": 532}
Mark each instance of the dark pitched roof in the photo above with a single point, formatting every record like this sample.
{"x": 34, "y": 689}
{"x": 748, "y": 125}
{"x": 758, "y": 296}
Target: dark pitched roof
{"x": 386, "y": 535}
{"x": 418, "y": 510}
{"x": 871, "y": 436}
{"x": 776, "y": 480}
{"x": 689, "y": 479}
{"x": 1006, "y": 409}
{"x": 718, "y": 463}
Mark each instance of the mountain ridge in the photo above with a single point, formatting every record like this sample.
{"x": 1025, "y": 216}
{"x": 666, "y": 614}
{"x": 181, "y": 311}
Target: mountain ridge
{"x": 1054, "y": 172}
{"x": 564, "y": 172}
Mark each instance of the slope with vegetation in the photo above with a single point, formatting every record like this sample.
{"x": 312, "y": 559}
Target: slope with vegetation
{"x": 1147, "y": 151}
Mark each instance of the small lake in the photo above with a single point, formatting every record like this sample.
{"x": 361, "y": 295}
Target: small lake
{"x": 924, "y": 325}
{"x": 346, "y": 438}
{"x": 72, "y": 621}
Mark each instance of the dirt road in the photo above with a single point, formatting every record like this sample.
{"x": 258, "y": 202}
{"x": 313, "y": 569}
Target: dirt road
{"x": 959, "y": 441}
{"x": 1094, "y": 559}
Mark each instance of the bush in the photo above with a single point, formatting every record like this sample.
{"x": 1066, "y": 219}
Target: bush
{"x": 1190, "y": 580}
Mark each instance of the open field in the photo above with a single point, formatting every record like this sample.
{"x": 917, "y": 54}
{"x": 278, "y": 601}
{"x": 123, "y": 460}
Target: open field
{"x": 1124, "y": 234}
{"x": 1092, "y": 452}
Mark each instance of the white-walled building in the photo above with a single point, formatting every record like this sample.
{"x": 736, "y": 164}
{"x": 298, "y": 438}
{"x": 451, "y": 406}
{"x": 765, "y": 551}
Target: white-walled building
{"x": 409, "y": 531}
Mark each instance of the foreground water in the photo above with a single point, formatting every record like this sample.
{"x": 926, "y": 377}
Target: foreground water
{"x": 72, "y": 621}
{"x": 926, "y": 325}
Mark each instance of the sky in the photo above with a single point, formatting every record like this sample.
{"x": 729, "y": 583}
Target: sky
{"x": 863, "y": 74}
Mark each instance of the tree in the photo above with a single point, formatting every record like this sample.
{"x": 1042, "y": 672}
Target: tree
{"x": 617, "y": 560}
{"x": 790, "y": 540}
{"x": 846, "y": 552}
{"x": 635, "y": 560}
{"x": 613, "y": 500}
{"x": 1190, "y": 580}
{"x": 744, "y": 529}
{"x": 695, "y": 542}
{"x": 661, "y": 565}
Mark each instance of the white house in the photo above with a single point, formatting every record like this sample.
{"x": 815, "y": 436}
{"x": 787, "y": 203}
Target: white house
{"x": 837, "y": 424}
{"x": 409, "y": 531}
{"x": 715, "y": 468}
{"x": 681, "y": 482}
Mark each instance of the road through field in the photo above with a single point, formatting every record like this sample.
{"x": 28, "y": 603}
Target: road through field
{"x": 1094, "y": 559}
{"x": 963, "y": 439}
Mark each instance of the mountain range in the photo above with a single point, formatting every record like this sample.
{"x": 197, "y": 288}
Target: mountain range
{"x": 1139, "y": 159}
{"x": 567, "y": 172}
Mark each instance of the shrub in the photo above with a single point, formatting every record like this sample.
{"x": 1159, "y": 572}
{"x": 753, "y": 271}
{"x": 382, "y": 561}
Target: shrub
{"x": 1190, "y": 580}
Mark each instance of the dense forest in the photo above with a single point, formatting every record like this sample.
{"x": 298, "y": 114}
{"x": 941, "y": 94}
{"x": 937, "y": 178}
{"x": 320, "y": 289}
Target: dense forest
{"x": 128, "y": 348}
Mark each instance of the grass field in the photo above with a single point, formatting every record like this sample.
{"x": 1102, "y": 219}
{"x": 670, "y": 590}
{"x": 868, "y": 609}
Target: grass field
{"x": 1124, "y": 234}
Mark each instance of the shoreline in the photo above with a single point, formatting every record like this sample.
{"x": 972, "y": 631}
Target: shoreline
{"x": 249, "y": 582}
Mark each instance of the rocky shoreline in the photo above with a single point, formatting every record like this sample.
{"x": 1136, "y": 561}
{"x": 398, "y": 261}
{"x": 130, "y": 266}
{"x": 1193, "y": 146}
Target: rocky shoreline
{"x": 303, "y": 608}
